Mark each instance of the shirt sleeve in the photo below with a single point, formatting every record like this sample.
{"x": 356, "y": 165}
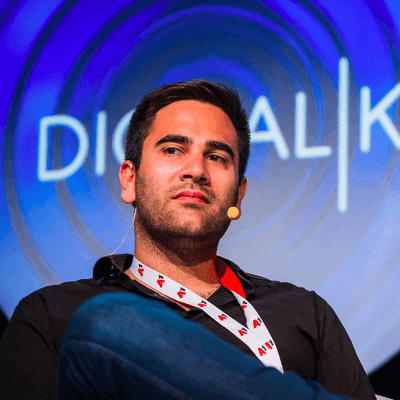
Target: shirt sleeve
{"x": 338, "y": 368}
{"x": 28, "y": 356}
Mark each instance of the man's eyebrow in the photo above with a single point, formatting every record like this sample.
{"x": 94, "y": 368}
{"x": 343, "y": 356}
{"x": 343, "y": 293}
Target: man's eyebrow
{"x": 211, "y": 144}
{"x": 175, "y": 139}
{"x": 214, "y": 144}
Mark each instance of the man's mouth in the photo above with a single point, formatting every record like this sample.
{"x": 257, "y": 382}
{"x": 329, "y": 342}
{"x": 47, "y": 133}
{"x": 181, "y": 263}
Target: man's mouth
{"x": 194, "y": 197}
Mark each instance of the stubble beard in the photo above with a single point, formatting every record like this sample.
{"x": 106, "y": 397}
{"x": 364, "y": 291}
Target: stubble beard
{"x": 164, "y": 223}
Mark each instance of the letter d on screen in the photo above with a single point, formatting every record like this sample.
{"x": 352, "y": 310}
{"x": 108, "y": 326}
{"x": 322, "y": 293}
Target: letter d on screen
{"x": 44, "y": 174}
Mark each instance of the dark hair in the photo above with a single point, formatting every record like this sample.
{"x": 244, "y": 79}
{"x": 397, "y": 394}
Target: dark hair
{"x": 218, "y": 95}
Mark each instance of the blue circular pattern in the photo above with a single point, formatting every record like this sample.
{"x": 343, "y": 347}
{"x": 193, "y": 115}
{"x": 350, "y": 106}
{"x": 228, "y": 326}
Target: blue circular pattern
{"x": 90, "y": 62}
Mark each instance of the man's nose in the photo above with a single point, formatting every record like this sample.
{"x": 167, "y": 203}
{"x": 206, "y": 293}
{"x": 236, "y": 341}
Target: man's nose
{"x": 195, "y": 168}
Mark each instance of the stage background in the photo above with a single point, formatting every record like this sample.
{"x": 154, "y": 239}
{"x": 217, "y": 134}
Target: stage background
{"x": 320, "y": 82}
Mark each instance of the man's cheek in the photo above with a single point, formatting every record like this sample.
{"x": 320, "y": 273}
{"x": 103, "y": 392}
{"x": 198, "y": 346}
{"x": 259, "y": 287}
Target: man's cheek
{"x": 165, "y": 171}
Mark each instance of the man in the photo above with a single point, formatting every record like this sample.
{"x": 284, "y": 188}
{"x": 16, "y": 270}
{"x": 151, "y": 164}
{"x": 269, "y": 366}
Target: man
{"x": 186, "y": 155}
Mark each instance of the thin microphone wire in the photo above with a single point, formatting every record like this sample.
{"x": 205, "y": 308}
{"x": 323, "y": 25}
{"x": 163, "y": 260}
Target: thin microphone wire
{"x": 123, "y": 240}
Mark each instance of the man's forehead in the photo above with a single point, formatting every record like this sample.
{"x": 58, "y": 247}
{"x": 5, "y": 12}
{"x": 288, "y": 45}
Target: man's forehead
{"x": 193, "y": 114}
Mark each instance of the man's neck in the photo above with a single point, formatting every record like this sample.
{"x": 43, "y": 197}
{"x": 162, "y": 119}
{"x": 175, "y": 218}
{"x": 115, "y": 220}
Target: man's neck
{"x": 195, "y": 269}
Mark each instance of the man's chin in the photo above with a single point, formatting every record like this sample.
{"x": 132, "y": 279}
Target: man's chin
{"x": 187, "y": 228}
{"x": 201, "y": 229}
{"x": 191, "y": 223}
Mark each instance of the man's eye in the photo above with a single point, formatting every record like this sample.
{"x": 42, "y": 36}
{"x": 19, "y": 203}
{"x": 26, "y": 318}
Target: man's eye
{"x": 173, "y": 151}
{"x": 215, "y": 157}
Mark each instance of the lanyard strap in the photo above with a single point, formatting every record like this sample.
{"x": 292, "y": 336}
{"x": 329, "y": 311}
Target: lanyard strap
{"x": 255, "y": 334}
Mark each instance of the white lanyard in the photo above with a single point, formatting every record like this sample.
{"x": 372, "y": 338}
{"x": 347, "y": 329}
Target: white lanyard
{"x": 255, "y": 334}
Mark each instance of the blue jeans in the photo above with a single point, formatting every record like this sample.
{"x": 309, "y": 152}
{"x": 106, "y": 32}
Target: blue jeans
{"x": 125, "y": 346}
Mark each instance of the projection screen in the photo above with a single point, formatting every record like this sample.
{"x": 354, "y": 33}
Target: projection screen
{"x": 320, "y": 83}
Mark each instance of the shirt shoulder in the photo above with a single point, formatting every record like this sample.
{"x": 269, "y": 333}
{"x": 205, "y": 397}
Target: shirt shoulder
{"x": 57, "y": 294}
{"x": 108, "y": 272}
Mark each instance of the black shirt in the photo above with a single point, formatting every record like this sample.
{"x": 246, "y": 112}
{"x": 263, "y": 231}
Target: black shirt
{"x": 309, "y": 336}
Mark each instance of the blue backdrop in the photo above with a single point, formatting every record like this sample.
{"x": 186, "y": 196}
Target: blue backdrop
{"x": 320, "y": 82}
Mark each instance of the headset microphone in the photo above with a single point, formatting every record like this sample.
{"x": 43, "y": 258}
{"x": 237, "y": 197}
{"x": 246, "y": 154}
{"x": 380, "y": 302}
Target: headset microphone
{"x": 233, "y": 213}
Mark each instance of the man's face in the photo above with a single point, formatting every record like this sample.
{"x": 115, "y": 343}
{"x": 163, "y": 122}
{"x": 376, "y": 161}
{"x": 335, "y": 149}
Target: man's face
{"x": 188, "y": 174}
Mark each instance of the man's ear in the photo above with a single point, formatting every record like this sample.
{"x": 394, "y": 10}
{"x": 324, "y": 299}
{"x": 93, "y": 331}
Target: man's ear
{"x": 242, "y": 191}
{"x": 127, "y": 176}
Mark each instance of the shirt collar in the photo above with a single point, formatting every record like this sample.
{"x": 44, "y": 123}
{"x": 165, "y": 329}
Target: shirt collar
{"x": 111, "y": 265}
{"x": 248, "y": 286}
{"x": 114, "y": 265}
